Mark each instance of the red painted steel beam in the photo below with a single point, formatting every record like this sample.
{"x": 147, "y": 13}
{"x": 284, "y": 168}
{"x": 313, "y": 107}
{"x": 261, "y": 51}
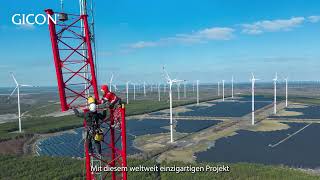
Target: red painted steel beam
{"x": 90, "y": 56}
{"x": 124, "y": 141}
{"x": 57, "y": 62}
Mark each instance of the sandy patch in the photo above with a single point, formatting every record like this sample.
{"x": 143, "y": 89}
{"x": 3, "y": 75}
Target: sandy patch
{"x": 289, "y": 113}
{"x": 58, "y": 114}
{"x": 7, "y": 118}
{"x": 268, "y": 126}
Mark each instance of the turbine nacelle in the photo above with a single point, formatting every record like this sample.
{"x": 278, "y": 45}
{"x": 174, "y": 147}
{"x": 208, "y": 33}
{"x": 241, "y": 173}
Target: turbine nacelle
{"x": 276, "y": 78}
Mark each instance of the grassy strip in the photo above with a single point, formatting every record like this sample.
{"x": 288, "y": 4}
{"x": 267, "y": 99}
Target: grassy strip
{"x": 27, "y": 167}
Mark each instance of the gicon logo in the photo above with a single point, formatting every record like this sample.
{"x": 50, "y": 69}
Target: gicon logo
{"x": 39, "y": 19}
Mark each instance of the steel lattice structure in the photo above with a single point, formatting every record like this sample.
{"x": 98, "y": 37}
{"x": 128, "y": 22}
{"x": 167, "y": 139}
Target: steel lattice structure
{"x": 76, "y": 77}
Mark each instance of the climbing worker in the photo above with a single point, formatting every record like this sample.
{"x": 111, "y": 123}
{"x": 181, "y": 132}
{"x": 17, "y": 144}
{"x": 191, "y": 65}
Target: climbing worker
{"x": 93, "y": 120}
{"x": 109, "y": 99}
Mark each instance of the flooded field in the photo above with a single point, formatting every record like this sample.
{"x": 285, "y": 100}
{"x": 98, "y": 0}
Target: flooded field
{"x": 228, "y": 108}
{"x": 71, "y": 143}
{"x": 286, "y": 147}
{"x": 305, "y": 112}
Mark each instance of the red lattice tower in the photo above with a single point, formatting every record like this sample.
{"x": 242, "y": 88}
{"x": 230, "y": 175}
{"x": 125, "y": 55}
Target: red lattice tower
{"x": 76, "y": 77}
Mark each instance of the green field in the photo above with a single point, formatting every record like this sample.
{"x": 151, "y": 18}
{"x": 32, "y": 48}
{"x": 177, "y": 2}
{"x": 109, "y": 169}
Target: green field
{"x": 28, "y": 167}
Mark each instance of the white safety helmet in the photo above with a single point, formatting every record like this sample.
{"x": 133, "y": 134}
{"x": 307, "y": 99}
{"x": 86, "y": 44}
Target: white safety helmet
{"x": 92, "y": 107}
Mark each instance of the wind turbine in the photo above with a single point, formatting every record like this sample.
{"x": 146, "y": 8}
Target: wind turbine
{"x": 286, "y": 79}
{"x": 222, "y": 90}
{"x": 178, "y": 89}
{"x": 253, "y": 80}
{"x": 18, "y": 93}
{"x": 275, "y": 94}
{"x": 170, "y": 82}
{"x": 159, "y": 93}
{"x": 134, "y": 91}
{"x": 232, "y": 87}
{"x": 144, "y": 88}
{"x": 110, "y": 84}
{"x": 184, "y": 90}
{"x": 193, "y": 87}
{"x": 164, "y": 88}
{"x": 218, "y": 88}
{"x": 115, "y": 88}
{"x": 197, "y": 92}
{"x": 127, "y": 89}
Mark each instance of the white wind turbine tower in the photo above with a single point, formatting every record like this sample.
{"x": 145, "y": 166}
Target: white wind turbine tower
{"x": 232, "y": 87}
{"x": 144, "y": 88}
{"x": 193, "y": 87}
{"x": 127, "y": 90}
{"x": 18, "y": 94}
{"x": 178, "y": 89}
{"x": 197, "y": 92}
{"x": 253, "y": 80}
{"x": 170, "y": 82}
{"x": 134, "y": 91}
{"x": 164, "y": 88}
{"x": 275, "y": 94}
{"x": 218, "y": 88}
{"x": 286, "y": 80}
{"x": 110, "y": 84}
{"x": 159, "y": 93}
{"x": 222, "y": 90}
{"x": 184, "y": 90}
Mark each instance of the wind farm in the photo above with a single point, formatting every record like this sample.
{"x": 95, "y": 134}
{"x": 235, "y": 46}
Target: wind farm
{"x": 160, "y": 90}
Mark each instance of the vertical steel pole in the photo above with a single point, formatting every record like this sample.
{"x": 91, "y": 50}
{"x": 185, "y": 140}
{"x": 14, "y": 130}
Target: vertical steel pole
{"x": 86, "y": 148}
{"x": 90, "y": 56}
{"x": 124, "y": 141}
{"x": 57, "y": 62}
{"x": 112, "y": 142}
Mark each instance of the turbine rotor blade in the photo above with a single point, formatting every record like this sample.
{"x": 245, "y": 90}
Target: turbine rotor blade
{"x": 26, "y": 85}
{"x": 166, "y": 74}
{"x": 14, "y": 78}
{"x": 13, "y": 91}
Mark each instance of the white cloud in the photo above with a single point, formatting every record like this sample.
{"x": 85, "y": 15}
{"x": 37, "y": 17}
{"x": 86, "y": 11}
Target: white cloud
{"x": 218, "y": 33}
{"x": 26, "y": 26}
{"x": 142, "y": 44}
{"x": 314, "y": 19}
{"x": 272, "y": 25}
{"x": 201, "y": 36}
